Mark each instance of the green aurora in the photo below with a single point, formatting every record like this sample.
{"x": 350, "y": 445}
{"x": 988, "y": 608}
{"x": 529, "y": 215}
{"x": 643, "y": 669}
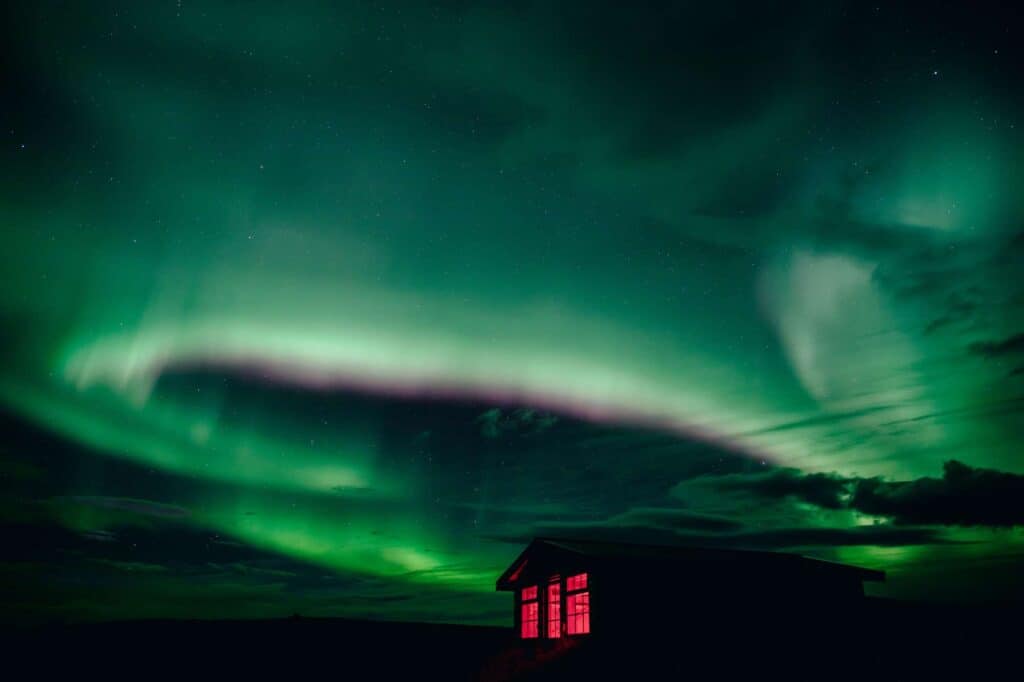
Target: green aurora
{"x": 328, "y": 309}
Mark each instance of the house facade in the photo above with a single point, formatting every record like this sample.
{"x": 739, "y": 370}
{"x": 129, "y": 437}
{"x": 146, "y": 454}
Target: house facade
{"x": 575, "y": 589}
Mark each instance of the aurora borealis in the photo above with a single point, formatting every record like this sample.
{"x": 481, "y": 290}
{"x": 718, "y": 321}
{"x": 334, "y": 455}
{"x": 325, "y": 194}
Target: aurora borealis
{"x": 328, "y": 307}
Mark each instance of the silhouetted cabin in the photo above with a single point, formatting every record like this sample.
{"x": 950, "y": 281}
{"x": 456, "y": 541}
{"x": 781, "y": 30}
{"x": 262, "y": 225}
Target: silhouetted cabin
{"x": 574, "y": 588}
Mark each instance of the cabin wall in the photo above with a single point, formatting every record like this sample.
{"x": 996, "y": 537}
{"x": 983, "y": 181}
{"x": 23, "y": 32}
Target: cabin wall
{"x": 698, "y": 601}
{"x": 705, "y": 602}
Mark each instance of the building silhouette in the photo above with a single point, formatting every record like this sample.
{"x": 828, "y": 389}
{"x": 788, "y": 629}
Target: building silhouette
{"x": 567, "y": 589}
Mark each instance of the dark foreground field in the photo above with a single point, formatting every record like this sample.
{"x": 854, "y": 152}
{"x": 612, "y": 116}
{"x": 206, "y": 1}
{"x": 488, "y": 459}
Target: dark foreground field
{"x": 886, "y": 641}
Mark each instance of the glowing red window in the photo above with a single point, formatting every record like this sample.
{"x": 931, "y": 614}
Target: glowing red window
{"x": 554, "y": 609}
{"x": 577, "y": 605}
{"x": 529, "y": 614}
{"x": 576, "y": 582}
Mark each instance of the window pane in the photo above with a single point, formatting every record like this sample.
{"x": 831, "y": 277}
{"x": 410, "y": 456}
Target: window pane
{"x": 554, "y": 611}
{"x": 576, "y": 582}
{"x": 529, "y": 616}
{"x": 577, "y": 607}
{"x": 529, "y": 593}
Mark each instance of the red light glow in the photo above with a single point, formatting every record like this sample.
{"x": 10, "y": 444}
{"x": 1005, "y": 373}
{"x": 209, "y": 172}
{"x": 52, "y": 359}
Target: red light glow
{"x": 554, "y": 609}
{"x": 577, "y": 607}
{"x": 576, "y": 582}
{"x": 530, "y": 620}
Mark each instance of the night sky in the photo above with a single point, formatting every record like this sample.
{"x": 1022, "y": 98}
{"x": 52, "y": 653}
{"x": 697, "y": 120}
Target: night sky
{"x": 329, "y": 307}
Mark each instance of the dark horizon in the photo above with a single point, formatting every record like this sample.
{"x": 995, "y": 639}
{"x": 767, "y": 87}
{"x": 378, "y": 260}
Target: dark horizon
{"x": 879, "y": 641}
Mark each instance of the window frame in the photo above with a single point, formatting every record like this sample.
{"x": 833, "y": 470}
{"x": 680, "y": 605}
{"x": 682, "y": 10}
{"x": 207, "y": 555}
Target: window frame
{"x": 577, "y": 605}
{"x": 529, "y": 627}
{"x": 553, "y": 608}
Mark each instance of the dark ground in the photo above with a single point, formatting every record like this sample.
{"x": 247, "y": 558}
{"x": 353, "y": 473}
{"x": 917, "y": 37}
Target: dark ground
{"x": 887, "y": 641}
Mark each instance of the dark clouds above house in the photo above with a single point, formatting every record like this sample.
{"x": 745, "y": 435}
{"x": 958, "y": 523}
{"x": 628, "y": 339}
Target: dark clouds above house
{"x": 962, "y": 496}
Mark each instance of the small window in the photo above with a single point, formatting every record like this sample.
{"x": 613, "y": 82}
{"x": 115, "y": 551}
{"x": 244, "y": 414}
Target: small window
{"x": 529, "y": 614}
{"x": 577, "y": 605}
{"x": 576, "y": 582}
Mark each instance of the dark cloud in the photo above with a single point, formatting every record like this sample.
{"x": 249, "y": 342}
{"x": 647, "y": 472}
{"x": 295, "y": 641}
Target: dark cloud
{"x": 735, "y": 535}
{"x": 647, "y": 518}
{"x": 993, "y": 349}
{"x": 819, "y": 489}
{"x": 964, "y": 496}
{"x": 599, "y": 531}
{"x": 879, "y": 535}
{"x": 134, "y": 506}
{"x": 676, "y": 519}
{"x": 496, "y": 422}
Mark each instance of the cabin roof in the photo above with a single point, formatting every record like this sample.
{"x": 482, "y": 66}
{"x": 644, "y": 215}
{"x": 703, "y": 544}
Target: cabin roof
{"x": 602, "y": 551}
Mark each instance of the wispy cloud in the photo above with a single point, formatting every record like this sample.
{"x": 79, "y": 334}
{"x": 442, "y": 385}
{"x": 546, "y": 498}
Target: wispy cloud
{"x": 993, "y": 349}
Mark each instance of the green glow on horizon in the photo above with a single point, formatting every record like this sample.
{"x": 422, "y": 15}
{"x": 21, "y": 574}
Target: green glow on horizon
{"x": 394, "y": 547}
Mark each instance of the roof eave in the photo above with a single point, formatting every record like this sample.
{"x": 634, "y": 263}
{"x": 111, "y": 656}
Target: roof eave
{"x": 505, "y": 582}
